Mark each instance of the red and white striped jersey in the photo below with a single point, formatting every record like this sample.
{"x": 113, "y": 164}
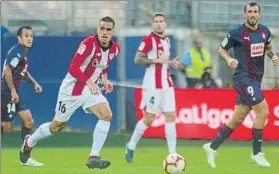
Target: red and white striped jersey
{"x": 157, "y": 76}
{"x": 89, "y": 62}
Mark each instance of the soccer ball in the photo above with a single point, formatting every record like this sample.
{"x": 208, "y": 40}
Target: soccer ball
{"x": 174, "y": 164}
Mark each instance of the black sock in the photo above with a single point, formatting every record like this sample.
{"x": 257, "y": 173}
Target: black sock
{"x": 25, "y": 131}
{"x": 257, "y": 140}
{"x": 223, "y": 134}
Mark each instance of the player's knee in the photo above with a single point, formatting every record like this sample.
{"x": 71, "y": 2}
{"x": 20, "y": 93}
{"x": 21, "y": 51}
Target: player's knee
{"x": 56, "y": 127}
{"x": 170, "y": 117}
{"x": 263, "y": 113}
{"x": 29, "y": 123}
{"x": 7, "y": 127}
{"x": 106, "y": 115}
{"x": 148, "y": 118}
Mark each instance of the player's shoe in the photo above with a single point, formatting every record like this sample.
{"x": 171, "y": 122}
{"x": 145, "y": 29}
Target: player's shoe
{"x": 24, "y": 155}
{"x": 129, "y": 154}
{"x": 210, "y": 154}
{"x": 97, "y": 163}
{"x": 260, "y": 160}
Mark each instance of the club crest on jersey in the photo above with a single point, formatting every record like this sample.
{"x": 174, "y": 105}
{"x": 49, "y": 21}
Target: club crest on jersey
{"x": 257, "y": 49}
{"x": 160, "y": 52}
{"x": 111, "y": 56}
{"x": 95, "y": 63}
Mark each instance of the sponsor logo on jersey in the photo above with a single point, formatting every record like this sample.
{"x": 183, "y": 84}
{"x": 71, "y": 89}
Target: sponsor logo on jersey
{"x": 257, "y": 49}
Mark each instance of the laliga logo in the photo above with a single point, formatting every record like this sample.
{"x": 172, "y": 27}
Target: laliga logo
{"x": 250, "y": 119}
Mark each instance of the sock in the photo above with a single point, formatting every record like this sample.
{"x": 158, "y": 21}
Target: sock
{"x": 25, "y": 131}
{"x": 223, "y": 134}
{"x": 137, "y": 134}
{"x": 170, "y": 130}
{"x": 41, "y": 133}
{"x": 257, "y": 136}
{"x": 99, "y": 137}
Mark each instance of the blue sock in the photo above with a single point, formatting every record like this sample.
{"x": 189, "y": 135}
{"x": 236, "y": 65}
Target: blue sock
{"x": 25, "y": 131}
{"x": 257, "y": 140}
{"x": 223, "y": 134}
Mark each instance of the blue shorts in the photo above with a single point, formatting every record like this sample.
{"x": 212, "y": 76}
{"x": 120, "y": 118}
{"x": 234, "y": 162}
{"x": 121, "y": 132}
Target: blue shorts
{"x": 9, "y": 109}
{"x": 249, "y": 94}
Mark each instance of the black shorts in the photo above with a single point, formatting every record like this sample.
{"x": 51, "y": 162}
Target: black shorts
{"x": 9, "y": 109}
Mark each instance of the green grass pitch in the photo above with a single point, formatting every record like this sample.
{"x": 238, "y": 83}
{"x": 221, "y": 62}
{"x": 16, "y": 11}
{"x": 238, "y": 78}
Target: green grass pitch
{"x": 66, "y": 153}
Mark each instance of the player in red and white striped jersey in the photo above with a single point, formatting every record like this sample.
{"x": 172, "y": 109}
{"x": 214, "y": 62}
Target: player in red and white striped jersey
{"x": 80, "y": 89}
{"x": 158, "y": 93}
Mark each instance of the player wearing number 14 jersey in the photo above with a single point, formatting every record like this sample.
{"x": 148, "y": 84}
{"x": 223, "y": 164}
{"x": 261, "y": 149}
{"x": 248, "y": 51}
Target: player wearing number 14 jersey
{"x": 15, "y": 70}
{"x": 80, "y": 89}
{"x": 250, "y": 42}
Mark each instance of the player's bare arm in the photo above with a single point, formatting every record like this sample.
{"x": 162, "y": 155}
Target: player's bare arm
{"x": 177, "y": 65}
{"x": 8, "y": 77}
{"x": 141, "y": 59}
{"x": 270, "y": 53}
{"x": 232, "y": 63}
{"x": 108, "y": 86}
{"x": 28, "y": 77}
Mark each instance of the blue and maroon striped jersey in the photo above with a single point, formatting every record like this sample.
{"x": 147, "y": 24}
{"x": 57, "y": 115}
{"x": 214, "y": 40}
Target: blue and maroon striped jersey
{"x": 249, "y": 49}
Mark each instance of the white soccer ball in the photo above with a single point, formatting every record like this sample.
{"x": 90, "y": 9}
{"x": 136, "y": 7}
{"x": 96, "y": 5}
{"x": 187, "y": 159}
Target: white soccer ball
{"x": 174, "y": 164}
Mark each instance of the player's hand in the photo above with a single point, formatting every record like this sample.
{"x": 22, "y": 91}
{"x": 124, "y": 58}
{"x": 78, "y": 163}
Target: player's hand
{"x": 94, "y": 88}
{"x": 108, "y": 86}
{"x": 15, "y": 98}
{"x": 233, "y": 63}
{"x": 275, "y": 61}
{"x": 174, "y": 62}
{"x": 162, "y": 59}
{"x": 38, "y": 88}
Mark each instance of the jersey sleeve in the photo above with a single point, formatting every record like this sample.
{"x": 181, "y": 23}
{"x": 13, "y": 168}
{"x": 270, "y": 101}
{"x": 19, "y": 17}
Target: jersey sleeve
{"x": 229, "y": 41}
{"x": 268, "y": 37}
{"x": 145, "y": 45}
{"x": 13, "y": 59}
{"x": 85, "y": 48}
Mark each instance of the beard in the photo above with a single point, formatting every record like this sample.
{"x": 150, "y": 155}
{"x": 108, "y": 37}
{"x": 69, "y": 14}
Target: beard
{"x": 252, "y": 22}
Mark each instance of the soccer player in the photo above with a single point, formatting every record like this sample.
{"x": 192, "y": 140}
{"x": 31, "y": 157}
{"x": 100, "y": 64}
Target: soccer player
{"x": 250, "y": 42}
{"x": 80, "y": 89}
{"x": 158, "y": 92}
{"x": 14, "y": 70}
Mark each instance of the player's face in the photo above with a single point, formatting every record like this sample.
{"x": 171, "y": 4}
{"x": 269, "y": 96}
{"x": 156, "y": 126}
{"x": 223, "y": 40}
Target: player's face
{"x": 159, "y": 24}
{"x": 105, "y": 32}
{"x": 26, "y": 38}
{"x": 252, "y": 15}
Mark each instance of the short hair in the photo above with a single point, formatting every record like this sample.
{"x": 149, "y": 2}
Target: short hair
{"x": 251, "y": 4}
{"x": 19, "y": 31}
{"x": 158, "y": 14}
{"x": 108, "y": 19}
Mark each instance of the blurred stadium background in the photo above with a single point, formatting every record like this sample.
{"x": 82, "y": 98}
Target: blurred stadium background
{"x": 59, "y": 26}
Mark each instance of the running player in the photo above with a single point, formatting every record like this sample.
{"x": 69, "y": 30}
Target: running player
{"x": 14, "y": 70}
{"x": 250, "y": 42}
{"x": 158, "y": 92}
{"x": 80, "y": 89}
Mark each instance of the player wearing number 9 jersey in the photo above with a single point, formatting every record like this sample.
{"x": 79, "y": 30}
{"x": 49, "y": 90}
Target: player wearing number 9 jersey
{"x": 80, "y": 89}
{"x": 14, "y": 70}
{"x": 250, "y": 42}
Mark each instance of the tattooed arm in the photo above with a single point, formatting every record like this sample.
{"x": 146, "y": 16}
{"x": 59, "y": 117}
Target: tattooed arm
{"x": 29, "y": 78}
{"x": 8, "y": 77}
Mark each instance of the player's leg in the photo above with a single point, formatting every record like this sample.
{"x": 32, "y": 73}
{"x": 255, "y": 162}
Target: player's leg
{"x": 7, "y": 112}
{"x": 150, "y": 103}
{"x": 240, "y": 112}
{"x": 168, "y": 107}
{"x": 27, "y": 121}
{"x": 260, "y": 106}
{"x": 65, "y": 107}
{"x": 98, "y": 106}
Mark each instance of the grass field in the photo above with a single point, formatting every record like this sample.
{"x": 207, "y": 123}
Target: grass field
{"x": 67, "y": 153}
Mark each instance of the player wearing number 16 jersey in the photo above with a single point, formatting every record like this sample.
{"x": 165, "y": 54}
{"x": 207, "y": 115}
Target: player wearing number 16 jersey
{"x": 158, "y": 92}
{"x": 15, "y": 70}
{"x": 80, "y": 89}
{"x": 250, "y": 42}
